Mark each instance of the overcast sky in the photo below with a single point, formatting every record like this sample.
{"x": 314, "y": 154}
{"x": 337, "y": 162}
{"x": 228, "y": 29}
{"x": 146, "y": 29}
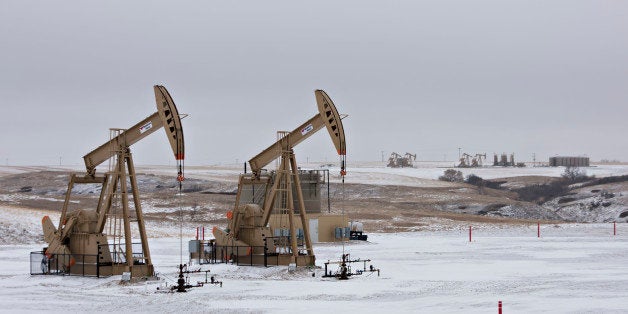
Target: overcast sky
{"x": 426, "y": 77}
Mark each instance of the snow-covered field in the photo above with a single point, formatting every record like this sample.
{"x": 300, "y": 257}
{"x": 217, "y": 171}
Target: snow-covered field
{"x": 424, "y": 174}
{"x": 571, "y": 268}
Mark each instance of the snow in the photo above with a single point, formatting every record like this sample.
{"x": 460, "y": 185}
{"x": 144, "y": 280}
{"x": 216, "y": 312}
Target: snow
{"x": 593, "y": 205}
{"x": 571, "y": 268}
{"x": 424, "y": 173}
{"x": 20, "y": 225}
{"x": 8, "y": 170}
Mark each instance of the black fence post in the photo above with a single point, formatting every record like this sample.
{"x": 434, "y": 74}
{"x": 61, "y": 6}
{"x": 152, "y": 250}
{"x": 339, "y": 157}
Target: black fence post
{"x": 265, "y": 253}
{"x": 213, "y": 253}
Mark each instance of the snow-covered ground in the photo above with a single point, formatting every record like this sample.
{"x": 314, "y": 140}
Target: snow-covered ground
{"x": 571, "y": 268}
{"x": 425, "y": 172}
{"x": 19, "y": 225}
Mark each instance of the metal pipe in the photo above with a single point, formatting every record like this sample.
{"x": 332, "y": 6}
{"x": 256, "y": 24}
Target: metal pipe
{"x": 328, "y": 197}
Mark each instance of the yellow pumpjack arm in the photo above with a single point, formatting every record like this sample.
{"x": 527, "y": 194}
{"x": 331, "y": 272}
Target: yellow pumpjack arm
{"x": 166, "y": 116}
{"x": 327, "y": 116}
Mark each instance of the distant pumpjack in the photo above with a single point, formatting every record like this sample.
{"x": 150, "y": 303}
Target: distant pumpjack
{"x": 397, "y": 161}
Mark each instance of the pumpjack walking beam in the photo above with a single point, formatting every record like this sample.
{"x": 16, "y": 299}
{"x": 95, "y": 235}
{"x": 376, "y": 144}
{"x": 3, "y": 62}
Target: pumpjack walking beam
{"x": 328, "y": 116}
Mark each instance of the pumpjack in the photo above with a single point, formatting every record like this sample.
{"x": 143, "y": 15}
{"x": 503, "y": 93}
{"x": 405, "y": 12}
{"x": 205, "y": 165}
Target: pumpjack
{"x": 248, "y": 236}
{"x": 80, "y": 243}
{"x": 397, "y": 161}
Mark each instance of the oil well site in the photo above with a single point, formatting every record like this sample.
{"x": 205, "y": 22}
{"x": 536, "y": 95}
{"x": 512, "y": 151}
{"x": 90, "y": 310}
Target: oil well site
{"x": 365, "y": 233}
{"x": 283, "y": 157}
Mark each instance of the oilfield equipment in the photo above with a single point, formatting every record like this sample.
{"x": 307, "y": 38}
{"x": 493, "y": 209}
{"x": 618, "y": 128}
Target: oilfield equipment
{"x": 502, "y": 160}
{"x": 184, "y": 283}
{"x": 569, "y": 161}
{"x": 80, "y": 245}
{"x": 345, "y": 270}
{"x": 397, "y": 161}
{"x": 249, "y": 236}
{"x": 469, "y": 161}
{"x": 410, "y": 157}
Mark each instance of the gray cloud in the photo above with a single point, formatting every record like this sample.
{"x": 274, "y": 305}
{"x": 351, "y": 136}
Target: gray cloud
{"x": 544, "y": 77}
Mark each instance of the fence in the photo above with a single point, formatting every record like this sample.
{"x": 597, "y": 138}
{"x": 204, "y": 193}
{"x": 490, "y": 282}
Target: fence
{"x": 65, "y": 264}
{"x": 239, "y": 255}
{"x": 88, "y": 265}
{"x": 208, "y": 252}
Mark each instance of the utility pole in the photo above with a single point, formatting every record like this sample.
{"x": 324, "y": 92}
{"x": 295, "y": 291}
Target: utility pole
{"x": 459, "y": 153}
{"x": 533, "y": 159}
{"x": 59, "y": 160}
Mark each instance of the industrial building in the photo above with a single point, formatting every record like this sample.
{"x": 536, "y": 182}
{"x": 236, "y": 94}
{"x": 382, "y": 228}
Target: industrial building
{"x": 567, "y": 161}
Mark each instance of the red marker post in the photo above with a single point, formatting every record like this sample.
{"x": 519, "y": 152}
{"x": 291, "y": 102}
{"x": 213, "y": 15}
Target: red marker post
{"x": 538, "y": 229}
{"x": 499, "y": 307}
{"x": 469, "y": 233}
{"x": 614, "y": 228}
